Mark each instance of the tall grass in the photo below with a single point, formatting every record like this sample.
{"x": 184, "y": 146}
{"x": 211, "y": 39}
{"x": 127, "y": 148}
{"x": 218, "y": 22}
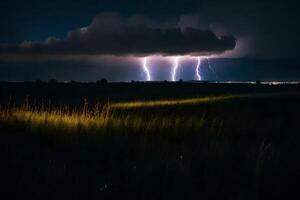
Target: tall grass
{"x": 138, "y": 116}
{"x": 97, "y": 118}
{"x": 223, "y": 147}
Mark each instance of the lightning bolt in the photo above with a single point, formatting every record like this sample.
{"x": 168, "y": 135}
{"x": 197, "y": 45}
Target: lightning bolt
{"x": 176, "y": 64}
{"x": 198, "y": 76}
{"x": 145, "y": 67}
{"x": 210, "y": 68}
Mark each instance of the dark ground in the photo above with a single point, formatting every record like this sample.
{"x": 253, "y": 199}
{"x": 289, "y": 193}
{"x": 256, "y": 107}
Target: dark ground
{"x": 254, "y": 154}
{"x": 74, "y": 93}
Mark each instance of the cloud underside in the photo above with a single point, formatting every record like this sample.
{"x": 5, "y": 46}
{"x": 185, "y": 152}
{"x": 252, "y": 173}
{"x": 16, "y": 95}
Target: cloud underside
{"x": 110, "y": 34}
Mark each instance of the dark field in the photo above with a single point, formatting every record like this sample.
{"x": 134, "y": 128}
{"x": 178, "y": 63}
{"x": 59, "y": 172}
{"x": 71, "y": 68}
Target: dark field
{"x": 149, "y": 141}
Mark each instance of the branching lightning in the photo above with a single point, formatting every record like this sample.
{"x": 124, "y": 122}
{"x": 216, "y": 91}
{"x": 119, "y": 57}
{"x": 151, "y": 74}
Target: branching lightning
{"x": 198, "y": 76}
{"x": 145, "y": 67}
{"x": 176, "y": 64}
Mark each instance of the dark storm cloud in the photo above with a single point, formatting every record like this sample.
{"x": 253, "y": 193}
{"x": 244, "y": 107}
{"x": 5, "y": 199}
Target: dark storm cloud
{"x": 265, "y": 29}
{"x": 111, "y": 34}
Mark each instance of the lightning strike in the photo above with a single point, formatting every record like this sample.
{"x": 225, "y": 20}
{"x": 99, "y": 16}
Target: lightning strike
{"x": 145, "y": 67}
{"x": 176, "y": 64}
{"x": 198, "y": 76}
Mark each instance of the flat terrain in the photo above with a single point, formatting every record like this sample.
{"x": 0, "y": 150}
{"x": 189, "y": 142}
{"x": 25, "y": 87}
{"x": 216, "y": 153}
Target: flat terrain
{"x": 149, "y": 141}
{"x": 74, "y": 93}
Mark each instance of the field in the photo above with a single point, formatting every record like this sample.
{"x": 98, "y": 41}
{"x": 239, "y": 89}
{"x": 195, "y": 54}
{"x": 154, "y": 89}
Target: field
{"x": 149, "y": 141}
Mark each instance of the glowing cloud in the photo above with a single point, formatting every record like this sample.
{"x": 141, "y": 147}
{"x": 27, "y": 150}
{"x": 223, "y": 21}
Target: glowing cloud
{"x": 113, "y": 34}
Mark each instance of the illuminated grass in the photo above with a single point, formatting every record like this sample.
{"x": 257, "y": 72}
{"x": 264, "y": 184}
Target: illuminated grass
{"x": 114, "y": 116}
{"x": 104, "y": 118}
{"x": 91, "y": 123}
{"x": 224, "y": 143}
{"x": 175, "y": 102}
{"x": 59, "y": 119}
{"x": 190, "y": 101}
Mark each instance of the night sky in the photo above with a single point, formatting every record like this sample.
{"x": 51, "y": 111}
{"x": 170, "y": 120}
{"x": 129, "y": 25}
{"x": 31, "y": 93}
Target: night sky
{"x": 90, "y": 39}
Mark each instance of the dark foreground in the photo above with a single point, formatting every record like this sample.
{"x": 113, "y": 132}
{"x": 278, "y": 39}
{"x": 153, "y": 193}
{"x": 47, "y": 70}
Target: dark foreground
{"x": 73, "y": 93}
{"x": 246, "y": 148}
